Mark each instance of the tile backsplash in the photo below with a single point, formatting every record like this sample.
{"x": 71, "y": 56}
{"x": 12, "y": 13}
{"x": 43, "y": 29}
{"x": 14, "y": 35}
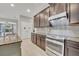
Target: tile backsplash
{"x": 41, "y": 30}
{"x": 71, "y": 31}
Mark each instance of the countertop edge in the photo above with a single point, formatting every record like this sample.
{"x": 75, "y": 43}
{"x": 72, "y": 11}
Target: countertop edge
{"x": 11, "y": 43}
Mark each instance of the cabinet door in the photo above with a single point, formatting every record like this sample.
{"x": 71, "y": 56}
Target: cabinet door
{"x": 42, "y": 19}
{"x": 43, "y": 42}
{"x": 74, "y": 13}
{"x": 52, "y": 10}
{"x": 60, "y": 7}
{"x": 46, "y": 15}
{"x": 72, "y": 51}
{"x": 38, "y": 40}
{"x": 33, "y": 37}
{"x": 71, "y": 48}
{"x": 36, "y": 21}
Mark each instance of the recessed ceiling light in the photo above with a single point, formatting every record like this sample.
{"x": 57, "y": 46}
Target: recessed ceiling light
{"x": 12, "y": 5}
{"x": 28, "y": 10}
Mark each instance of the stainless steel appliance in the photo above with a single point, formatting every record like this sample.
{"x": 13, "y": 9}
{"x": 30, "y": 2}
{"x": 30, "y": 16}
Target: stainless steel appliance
{"x": 59, "y": 19}
{"x": 55, "y": 37}
{"x": 54, "y": 45}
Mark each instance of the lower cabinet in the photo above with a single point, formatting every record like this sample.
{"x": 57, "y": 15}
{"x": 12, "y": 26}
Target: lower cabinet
{"x": 33, "y": 38}
{"x": 43, "y": 42}
{"x": 12, "y": 49}
{"x": 39, "y": 40}
{"x": 71, "y": 48}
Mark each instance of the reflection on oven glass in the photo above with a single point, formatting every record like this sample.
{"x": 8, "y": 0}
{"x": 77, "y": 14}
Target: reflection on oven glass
{"x": 55, "y": 47}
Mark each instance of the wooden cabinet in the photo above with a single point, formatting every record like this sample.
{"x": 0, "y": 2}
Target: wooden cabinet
{"x": 42, "y": 19}
{"x": 52, "y": 10}
{"x": 74, "y": 13}
{"x": 71, "y": 48}
{"x": 33, "y": 38}
{"x": 39, "y": 40}
{"x": 43, "y": 42}
{"x": 11, "y": 49}
{"x": 56, "y": 8}
{"x": 46, "y": 15}
{"x": 36, "y": 21}
{"x": 60, "y": 7}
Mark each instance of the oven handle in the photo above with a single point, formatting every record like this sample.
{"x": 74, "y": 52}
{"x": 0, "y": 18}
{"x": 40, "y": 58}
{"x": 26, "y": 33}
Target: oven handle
{"x": 56, "y": 42}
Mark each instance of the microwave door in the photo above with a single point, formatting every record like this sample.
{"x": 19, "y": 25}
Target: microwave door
{"x": 59, "y": 22}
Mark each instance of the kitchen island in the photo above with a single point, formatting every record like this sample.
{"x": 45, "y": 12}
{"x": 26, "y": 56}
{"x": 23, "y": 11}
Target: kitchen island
{"x": 10, "y": 46}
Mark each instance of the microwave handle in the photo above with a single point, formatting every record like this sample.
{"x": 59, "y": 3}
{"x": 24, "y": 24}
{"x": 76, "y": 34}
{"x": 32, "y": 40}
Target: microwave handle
{"x": 67, "y": 15}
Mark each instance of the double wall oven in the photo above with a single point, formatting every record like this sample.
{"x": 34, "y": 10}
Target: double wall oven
{"x": 55, "y": 40}
{"x": 54, "y": 45}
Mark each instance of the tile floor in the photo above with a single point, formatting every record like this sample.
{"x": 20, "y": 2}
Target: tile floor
{"x": 30, "y": 49}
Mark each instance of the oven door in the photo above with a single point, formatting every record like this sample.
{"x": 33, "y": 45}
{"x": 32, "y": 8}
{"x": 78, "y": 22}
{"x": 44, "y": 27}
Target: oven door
{"x": 54, "y": 47}
{"x": 59, "y": 20}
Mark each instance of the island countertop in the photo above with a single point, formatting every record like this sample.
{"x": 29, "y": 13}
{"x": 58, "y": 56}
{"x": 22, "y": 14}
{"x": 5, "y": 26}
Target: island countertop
{"x": 9, "y": 39}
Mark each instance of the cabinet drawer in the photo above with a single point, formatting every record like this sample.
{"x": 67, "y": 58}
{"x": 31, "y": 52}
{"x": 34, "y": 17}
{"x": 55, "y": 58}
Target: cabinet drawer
{"x": 71, "y": 48}
{"x": 72, "y": 51}
{"x": 72, "y": 43}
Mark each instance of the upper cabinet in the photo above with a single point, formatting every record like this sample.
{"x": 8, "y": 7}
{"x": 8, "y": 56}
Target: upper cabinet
{"x": 52, "y": 10}
{"x": 41, "y": 20}
{"x": 72, "y": 10}
{"x": 60, "y": 7}
{"x": 36, "y": 21}
{"x": 74, "y": 13}
{"x": 46, "y": 16}
{"x": 57, "y": 8}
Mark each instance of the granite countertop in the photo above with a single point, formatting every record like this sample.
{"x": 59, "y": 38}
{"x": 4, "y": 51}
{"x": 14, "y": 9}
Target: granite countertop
{"x": 68, "y": 32}
{"x": 76, "y": 39}
{"x": 9, "y": 41}
{"x": 72, "y": 38}
{"x": 41, "y": 33}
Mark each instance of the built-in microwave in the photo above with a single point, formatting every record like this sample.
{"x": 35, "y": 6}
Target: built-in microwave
{"x": 59, "y": 19}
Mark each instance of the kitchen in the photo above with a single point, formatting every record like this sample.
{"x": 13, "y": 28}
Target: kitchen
{"x": 45, "y": 29}
{"x": 57, "y": 27}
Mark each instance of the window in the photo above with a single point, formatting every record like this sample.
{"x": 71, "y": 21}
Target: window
{"x": 7, "y": 28}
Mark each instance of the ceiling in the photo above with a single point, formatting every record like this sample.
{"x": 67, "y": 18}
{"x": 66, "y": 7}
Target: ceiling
{"x": 6, "y": 11}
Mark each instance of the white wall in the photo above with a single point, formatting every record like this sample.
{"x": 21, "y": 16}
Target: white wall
{"x": 27, "y": 23}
